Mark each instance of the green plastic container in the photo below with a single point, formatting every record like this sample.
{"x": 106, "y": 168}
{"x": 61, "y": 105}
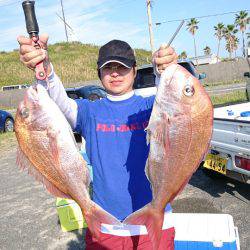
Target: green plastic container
{"x": 70, "y": 215}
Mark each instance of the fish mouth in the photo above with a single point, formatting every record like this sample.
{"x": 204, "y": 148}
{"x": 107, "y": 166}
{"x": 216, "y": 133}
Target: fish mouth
{"x": 30, "y": 102}
{"x": 31, "y": 95}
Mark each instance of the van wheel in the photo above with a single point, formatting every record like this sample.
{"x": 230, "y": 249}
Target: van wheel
{"x": 9, "y": 125}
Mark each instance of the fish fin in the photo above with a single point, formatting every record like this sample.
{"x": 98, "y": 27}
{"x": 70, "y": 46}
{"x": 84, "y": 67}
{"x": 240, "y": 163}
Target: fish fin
{"x": 24, "y": 163}
{"x": 96, "y": 217}
{"x": 53, "y": 135}
{"x": 72, "y": 135}
{"x": 146, "y": 170}
{"x": 152, "y": 219}
{"x": 161, "y": 135}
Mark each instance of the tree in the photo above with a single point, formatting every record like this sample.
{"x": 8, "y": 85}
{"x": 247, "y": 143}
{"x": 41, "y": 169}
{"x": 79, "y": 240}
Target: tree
{"x": 242, "y": 20}
{"x": 183, "y": 55}
{"x": 219, "y": 34}
{"x": 229, "y": 34}
{"x": 234, "y": 45}
{"x": 207, "y": 50}
{"x": 192, "y": 27}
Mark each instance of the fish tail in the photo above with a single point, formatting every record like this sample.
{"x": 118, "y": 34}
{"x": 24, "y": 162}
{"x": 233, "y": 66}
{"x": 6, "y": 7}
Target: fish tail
{"x": 153, "y": 220}
{"x": 95, "y": 216}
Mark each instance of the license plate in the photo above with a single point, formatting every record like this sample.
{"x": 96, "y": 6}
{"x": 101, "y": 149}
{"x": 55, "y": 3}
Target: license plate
{"x": 216, "y": 163}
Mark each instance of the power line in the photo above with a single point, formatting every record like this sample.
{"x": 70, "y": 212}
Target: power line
{"x": 115, "y": 6}
{"x": 71, "y": 29}
{"x": 65, "y": 22}
{"x": 199, "y": 17}
{"x": 9, "y": 4}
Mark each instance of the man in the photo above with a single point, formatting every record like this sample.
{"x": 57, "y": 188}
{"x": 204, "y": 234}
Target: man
{"x": 114, "y": 130}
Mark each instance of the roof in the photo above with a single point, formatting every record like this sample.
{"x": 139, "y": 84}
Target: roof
{"x": 205, "y": 59}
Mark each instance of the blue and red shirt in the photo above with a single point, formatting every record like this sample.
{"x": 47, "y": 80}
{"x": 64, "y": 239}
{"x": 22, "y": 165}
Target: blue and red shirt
{"x": 116, "y": 146}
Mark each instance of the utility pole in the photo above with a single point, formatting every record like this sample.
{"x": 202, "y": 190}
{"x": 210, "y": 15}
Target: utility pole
{"x": 65, "y": 27}
{"x": 150, "y": 26}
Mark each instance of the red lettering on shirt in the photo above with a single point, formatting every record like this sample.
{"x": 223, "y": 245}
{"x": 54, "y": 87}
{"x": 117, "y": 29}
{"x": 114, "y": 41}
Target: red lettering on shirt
{"x": 99, "y": 126}
{"x": 133, "y": 127}
{"x": 122, "y": 127}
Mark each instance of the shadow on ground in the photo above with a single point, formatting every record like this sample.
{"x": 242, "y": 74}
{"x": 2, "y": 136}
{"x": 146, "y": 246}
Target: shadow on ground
{"x": 216, "y": 187}
{"x": 219, "y": 184}
{"x": 78, "y": 244}
{"x": 194, "y": 205}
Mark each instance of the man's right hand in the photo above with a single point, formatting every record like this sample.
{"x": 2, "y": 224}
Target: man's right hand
{"x": 30, "y": 56}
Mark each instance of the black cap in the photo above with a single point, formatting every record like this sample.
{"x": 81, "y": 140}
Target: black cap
{"x": 116, "y": 51}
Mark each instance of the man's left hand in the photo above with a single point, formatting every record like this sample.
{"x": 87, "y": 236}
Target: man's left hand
{"x": 163, "y": 57}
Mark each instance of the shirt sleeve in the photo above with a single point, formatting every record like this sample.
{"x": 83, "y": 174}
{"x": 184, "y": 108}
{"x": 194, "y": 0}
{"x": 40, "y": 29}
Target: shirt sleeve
{"x": 82, "y": 117}
{"x": 150, "y": 101}
{"x": 58, "y": 94}
{"x": 157, "y": 75}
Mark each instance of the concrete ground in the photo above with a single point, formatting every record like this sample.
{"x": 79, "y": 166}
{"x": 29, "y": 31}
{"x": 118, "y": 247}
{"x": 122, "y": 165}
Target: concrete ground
{"x": 29, "y": 219}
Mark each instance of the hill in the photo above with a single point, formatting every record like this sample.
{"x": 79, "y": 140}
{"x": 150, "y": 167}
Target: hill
{"x": 73, "y": 62}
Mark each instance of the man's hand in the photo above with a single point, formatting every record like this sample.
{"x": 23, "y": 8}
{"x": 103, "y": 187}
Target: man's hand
{"x": 163, "y": 57}
{"x": 30, "y": 56}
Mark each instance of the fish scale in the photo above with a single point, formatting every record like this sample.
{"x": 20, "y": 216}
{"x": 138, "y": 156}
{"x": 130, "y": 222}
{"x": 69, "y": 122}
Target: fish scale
{"x": 48, "y": 150}
{"x": 179, "y": 133}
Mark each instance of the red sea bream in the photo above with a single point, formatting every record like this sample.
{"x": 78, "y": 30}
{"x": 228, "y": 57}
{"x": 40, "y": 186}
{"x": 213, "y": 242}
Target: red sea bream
{"x": 49, "y": 151}
{"x": 179, "y": 134}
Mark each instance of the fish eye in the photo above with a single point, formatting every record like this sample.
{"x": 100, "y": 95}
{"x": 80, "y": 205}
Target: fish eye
{"x": 24, "y": 112}
{"x": 188, "y": 90}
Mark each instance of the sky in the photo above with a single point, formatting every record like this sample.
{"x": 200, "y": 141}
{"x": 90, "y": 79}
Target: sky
{"x": 99, "y": 21}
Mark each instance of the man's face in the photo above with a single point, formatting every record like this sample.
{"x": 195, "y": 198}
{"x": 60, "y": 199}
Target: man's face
{"x": 117, "y": 79}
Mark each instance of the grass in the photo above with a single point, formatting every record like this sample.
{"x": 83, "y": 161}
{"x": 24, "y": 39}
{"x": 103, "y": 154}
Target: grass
{"x": 228, "y": 99}
{"x": 73, "y": 62}
{"x": 7, "y": 141}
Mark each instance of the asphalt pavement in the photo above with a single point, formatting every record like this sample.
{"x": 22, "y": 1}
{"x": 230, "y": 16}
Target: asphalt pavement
{"x": 29, "y": 219}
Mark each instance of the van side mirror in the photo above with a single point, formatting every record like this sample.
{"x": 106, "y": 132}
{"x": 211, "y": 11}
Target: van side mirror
{"x": 202, "y": 76}
{"x": 247, "y": 74}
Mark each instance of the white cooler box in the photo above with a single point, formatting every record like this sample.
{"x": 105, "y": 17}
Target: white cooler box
{"x": 205, "y": 232}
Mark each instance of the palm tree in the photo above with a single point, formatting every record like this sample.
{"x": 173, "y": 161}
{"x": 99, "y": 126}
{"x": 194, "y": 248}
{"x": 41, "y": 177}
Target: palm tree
{"x": 229, "y": 34}
{"x": 207, "y": 50}
{"x": 183, "y": 55}
{"x": 242, "y": 20}
{"x": 192, "y": 27}
{"x": 219, "y": 34}
{"x": 235, "y": 44}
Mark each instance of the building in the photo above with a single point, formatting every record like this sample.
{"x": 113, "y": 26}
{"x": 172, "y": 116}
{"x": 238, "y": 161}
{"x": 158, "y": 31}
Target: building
{"x": 206, "y": 59}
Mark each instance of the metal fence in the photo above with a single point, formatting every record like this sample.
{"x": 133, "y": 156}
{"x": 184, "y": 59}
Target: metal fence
{"x": 10, "y": 99}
